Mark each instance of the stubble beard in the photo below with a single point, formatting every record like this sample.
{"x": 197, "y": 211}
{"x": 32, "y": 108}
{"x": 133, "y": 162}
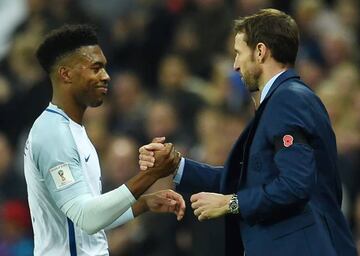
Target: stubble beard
{"x": 251, "y": 81}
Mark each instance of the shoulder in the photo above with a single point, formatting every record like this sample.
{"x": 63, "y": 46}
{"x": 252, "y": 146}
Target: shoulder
{"x": 51, "y": 131}
{"x": 294, "y": 93}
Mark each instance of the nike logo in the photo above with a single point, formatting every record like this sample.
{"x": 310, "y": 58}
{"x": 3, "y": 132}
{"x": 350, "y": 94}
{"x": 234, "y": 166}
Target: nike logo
{"x": 87, "y": 158}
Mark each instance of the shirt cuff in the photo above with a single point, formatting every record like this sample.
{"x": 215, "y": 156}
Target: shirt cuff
{"x": 179, "y": 172}
{"x": 125, "y": 192}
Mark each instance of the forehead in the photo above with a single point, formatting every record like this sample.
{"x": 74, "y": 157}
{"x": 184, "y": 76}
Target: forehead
{"x": 91, "y": 54}
{"x": 240, "y": 41}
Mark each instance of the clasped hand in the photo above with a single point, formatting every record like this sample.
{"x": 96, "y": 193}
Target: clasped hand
{"x": 206, "y": 205}
{"x": 166, "y": 157}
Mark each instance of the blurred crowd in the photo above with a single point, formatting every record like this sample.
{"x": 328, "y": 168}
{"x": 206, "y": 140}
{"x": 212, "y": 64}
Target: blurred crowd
{"x": 171, "y": 67}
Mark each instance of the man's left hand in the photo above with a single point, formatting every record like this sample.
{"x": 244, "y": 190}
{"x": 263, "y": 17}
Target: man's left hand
{"x": 210, "y": 205}
{"x": 164, "y": 201}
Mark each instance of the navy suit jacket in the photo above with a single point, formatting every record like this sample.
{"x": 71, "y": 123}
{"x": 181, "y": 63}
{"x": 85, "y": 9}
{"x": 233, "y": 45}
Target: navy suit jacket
{"x": 283, "y": 169}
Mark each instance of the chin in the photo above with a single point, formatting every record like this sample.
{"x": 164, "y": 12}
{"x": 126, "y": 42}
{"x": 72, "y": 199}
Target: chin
{"x": 252, "y": 87}
{"x": 96, "y": 104}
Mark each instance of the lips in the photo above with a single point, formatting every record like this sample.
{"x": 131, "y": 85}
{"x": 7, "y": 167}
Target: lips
{"x": 103, "y": 89}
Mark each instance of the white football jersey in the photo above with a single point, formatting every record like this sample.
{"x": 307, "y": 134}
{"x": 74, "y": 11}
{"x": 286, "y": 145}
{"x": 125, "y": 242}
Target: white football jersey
{"x": 60, "y": 163}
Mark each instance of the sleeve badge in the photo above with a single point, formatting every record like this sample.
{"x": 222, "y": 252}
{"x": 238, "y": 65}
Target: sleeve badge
{"x": 288, "y": 140}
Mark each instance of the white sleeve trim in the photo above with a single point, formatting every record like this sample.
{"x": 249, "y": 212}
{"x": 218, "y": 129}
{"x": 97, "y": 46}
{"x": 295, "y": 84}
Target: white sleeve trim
{"x": 125, "y": 217}
{"x": 93, "y": 214}
{"x": 179, "y": 172}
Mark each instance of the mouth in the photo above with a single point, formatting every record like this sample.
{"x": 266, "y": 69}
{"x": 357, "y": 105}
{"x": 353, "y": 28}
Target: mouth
{"x": 102, "y": 89}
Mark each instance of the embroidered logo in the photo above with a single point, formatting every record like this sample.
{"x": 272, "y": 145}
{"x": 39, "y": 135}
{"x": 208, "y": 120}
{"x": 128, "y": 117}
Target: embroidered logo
{"x": 288, "y": 140}
{"x": 62, "y": 175}
{"x": 87, "y": 158}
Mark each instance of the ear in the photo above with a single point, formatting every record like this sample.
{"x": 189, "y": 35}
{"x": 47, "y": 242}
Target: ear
{"x": 65, "y": 74}
{"x": 261, "y": 51}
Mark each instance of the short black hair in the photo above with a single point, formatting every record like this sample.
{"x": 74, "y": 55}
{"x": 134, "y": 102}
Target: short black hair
{"x": 64, "y": 40}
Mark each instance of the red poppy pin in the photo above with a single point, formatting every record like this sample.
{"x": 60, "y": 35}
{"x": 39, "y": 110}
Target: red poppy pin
{"x": 288, "y": 140}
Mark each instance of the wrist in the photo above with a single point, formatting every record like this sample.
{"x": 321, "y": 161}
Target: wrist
{"x": 140, "y": 206}
{"x": 178, "y": 163}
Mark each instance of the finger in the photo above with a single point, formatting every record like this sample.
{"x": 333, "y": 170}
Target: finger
{"x": 146, "y": 158}
{"x": 203, "y": 216}
{"x": 143, "y": 150}
{"x": 195, "y": 197}
{"x": 179, "y": 214}
{"x": 165, "y": 202}
{"x": 158, "y": 139}
{"x": 168, "y": 147}
{"x": 196, "y": 205}
{"x": 198, "y": 211}
{"x": 143, "y": 167}
{"x": 145, "y": 163}
{"x": 180, "y": 207}
{"x": 153, "y": 146}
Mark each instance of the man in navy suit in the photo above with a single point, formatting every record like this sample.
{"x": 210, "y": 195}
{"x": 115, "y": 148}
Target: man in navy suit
{"x": 280, "y": 189}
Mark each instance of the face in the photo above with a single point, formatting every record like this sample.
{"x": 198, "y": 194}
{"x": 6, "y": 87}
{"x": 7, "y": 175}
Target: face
{"x": 245, "y": 63}
{"x": 89, "y": 79}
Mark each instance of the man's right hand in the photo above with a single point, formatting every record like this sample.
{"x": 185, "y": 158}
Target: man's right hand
{"x": 159, "y": 158}
{"x": 147, "y": 152}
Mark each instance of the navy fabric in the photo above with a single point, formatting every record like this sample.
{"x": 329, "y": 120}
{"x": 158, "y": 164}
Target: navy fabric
{"x": 72, "y": 241}
{"x": 289, "y": 197}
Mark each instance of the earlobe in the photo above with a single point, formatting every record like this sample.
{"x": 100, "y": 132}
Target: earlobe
{"x": 64, "y": 74}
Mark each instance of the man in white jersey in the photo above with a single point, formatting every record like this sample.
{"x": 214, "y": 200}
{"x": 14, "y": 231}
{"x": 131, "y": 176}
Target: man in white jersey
{"x": 69, "y": 213}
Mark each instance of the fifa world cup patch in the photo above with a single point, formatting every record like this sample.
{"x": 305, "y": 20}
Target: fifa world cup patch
{"x": 62, "y": 175}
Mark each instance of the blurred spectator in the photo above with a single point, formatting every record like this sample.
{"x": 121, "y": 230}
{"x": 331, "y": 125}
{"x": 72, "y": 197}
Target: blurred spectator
{"x": 120, "y": 162}
{"x": 15, "y": 236}
{"x": 12, "y": 13}
{"x": 129, "y": 102}
{"x": 175, "y": 79}
{"x": 211, "y": 21}
{"x": 162, "y": 120}
{"x": 12, "y": 186}
{"x": 96, "y": 123}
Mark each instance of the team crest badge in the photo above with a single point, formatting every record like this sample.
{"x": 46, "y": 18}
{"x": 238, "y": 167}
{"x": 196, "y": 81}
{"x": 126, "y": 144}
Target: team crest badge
{"x": 288, "y": 140}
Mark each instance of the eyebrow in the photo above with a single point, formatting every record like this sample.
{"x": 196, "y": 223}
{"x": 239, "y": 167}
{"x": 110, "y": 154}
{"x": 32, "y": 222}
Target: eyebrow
{"x": 98, "y": 63}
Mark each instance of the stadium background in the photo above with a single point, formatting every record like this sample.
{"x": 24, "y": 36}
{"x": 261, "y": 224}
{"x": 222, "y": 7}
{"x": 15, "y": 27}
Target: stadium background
{"x": 171, "y": 67}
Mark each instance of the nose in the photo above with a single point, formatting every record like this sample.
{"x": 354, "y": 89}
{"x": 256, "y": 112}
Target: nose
{"x": 105, "y": 77}
{"x": 236, "y": 67}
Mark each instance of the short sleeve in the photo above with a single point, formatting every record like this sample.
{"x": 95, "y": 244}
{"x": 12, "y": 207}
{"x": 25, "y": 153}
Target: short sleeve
{"x": 56, "y": 156}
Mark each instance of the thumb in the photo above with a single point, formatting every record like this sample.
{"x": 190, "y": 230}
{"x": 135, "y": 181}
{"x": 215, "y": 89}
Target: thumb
{"x": 159, "y": 139}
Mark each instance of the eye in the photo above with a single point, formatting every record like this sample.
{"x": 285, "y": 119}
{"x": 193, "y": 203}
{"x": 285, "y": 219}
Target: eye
{"x": 96, "y": 69}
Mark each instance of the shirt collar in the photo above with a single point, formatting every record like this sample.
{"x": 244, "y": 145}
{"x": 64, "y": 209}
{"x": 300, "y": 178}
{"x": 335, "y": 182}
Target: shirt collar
{"x": 53, "y": 108}
{"x": 268, "y": 86}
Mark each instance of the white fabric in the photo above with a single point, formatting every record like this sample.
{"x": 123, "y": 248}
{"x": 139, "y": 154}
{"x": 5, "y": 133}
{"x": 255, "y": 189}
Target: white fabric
{"x": 61, "y": 165}
{"x": 93, "y": 214}
{"x": 179, "y": 172}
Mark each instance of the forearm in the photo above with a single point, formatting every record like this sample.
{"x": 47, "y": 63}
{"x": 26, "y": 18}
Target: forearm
{"x": 124, "y": 218}
{"x": 140, "y": 183}
{"x": 95, "y": 213}
{"x": 199, "y": 177}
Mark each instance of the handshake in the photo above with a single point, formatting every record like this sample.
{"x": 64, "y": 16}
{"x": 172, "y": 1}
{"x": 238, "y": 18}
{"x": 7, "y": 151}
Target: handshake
{"x": 160, "y": 160}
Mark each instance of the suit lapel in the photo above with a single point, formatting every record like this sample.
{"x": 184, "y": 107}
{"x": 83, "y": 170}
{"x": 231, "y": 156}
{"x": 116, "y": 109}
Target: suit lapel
{"x": 235, "y": 161}
{"x": 239, "y": 156}
{"x": 288, "y": 74}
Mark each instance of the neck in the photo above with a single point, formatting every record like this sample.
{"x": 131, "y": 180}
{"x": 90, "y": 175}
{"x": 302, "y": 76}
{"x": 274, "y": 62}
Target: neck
{"x": 68, "y": 104}
{"x": 269, "y": 70}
